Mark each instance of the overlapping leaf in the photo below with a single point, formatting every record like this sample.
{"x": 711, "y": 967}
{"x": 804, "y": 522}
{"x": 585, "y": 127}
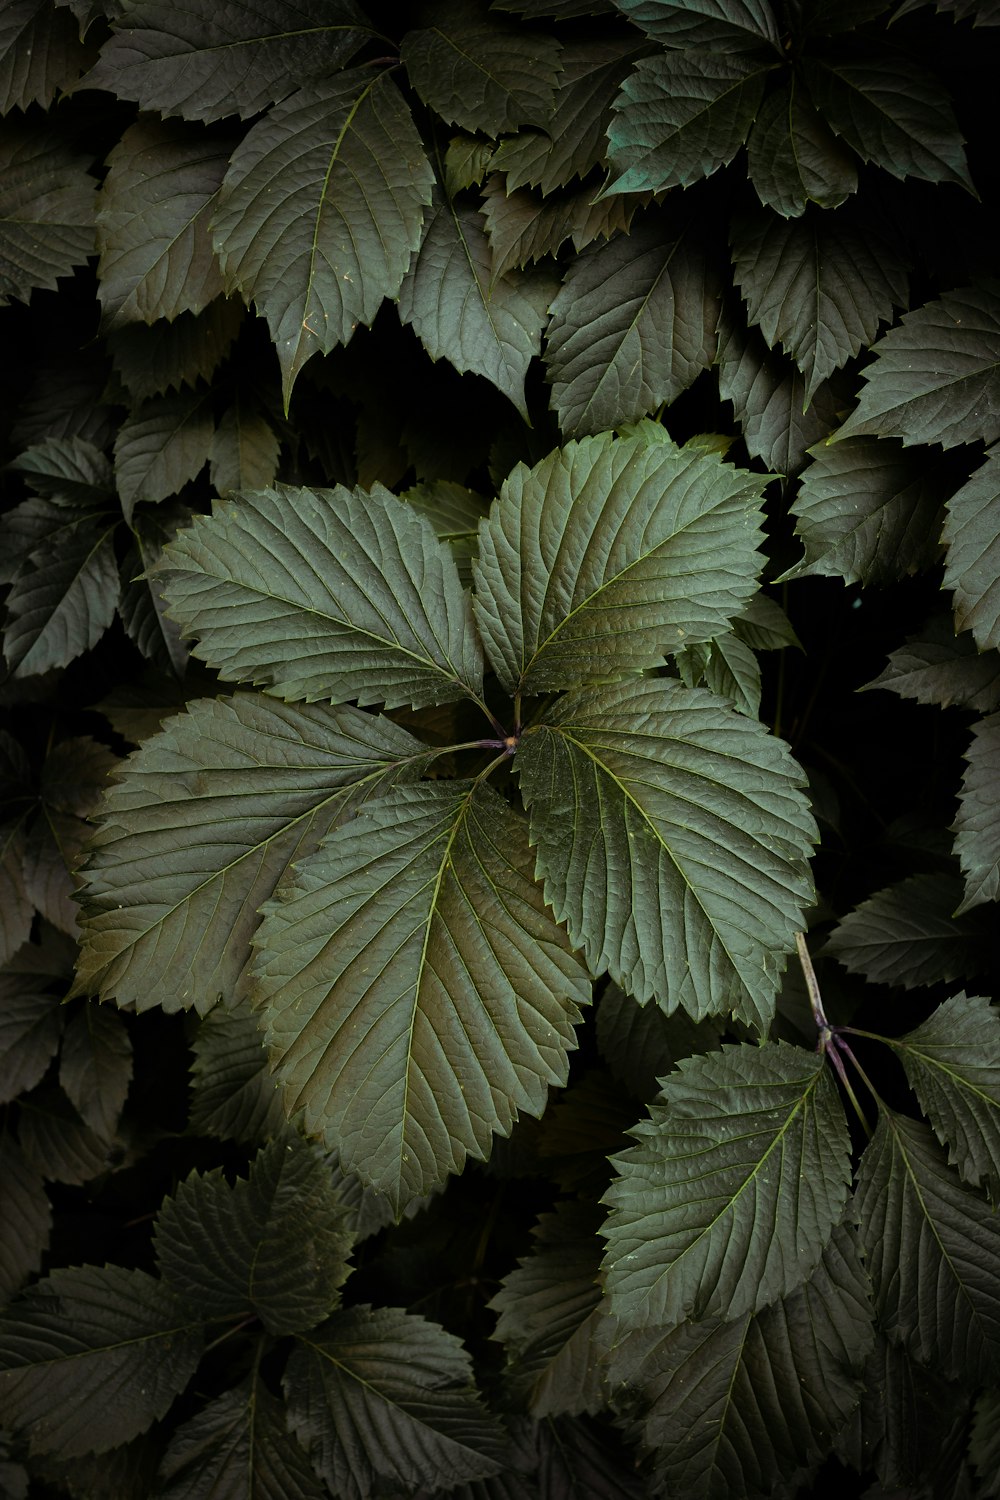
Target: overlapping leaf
{"x": 641, "y": 1045}
{"x": 89, "y": 1357}
{"x": 95, "y": 1066}
{"x": 46, "y": 209}
{"x": 633, "y": 324}
{"x": 907, "y": 934}
{"x": 977, "y": 827}
{"x": 161, "y": 447}
{"x": 64, "y": 599}
{"x": 210, "y": 59}
{"x": 728, "y": 667}
{"x": 732, "y": 1191}
{"x": 58, "y": 1144}
{"x": 232, "y": 1092}
{"x": 415, "y": 991}
{"x": 793, "y": 157}
{"x": 244, "y": 452}
{"x": 524, "y": 227}
{"x": 321, "y": 210}
{"x": 238, "y": 1444}
{"x": 200, "y": 828}
{"x": 141, "y": 607}
{"x": 380, "y": 1397}
{"x": 326, "y": 594}
{"x": 931, "y": 1247}
{"x": 25, "y": 1219}
{"x": 722, "y": 24}
{"x": 30, "y": 1028}
{"x": 608, "y": 554}
{"x": 152, "y": 359}
{"x": 972, "y": 536}
{"x": 41, "y": 54}
{"x": 672, "y": 837}
{"x": 938, "y": 666}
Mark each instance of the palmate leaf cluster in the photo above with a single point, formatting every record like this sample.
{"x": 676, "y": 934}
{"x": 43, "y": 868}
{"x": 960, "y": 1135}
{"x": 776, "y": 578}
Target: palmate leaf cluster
{"x": 499, "y": 542}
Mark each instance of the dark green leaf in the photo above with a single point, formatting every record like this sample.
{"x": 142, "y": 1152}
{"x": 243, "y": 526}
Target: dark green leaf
{"x": 321, "y": 210}
{"x": 641, "y": 1045}
{"x": 906, "y": 935}
{"x": 524, "y": 227}
{"x": 562, "y": 10}
{"x": 95, "y": 1066}
{"x": 607, "y": 555}
{"x": 69, "y": 470}
{"x": 238, "y": 1448}
{"x": 984, "y": 1443}
{"x": 582, "y": 1129}
{"x": 16, "y": 907}
{"x": 819, "y": 286}
{"x": 869, "y": 512}
{"x": 90, "y": 1356}
{"x": 213, "y": 59}
{"x": 972, "y": 536}
{"x": 163, "y": 446}
{"x": 122, "y": 1473}
{"x": 415, "y": 991}
{"x": 57, "y": 1143}
{"x": 672, "y": 838}
{"x": 728, "y": 667}
{"x": 793, "y": 157}
{"x": 68, "y": 398}
{"x": 931, "y": 1246}
{"x": 830, "y": 16}
{"x": 244, "y": 451}
{"x": 633, "y": 325}
{"x": 726, "y": 25}
{"x": 25, "y": 1221}
{"x": 977, "y": 827}
{"x": 579, "y": 1459}
{"x": 64, "y": 599}
{"x": 41, "y": 54}
{"x": 326, "y": 594}
{"x": 141, "y": 607}
{"x": 732, "y": 1191}
{"x": 479, "y": 71}
{"x": 892, "y": 111}
{"x": 730, "y": 1407}
{"x": 458, "y": 314}
{"x": 153, "y": 359}
{"x": 74, "y": 775}
{"x": 30, "y": 1028}
{"x": 681, "y": 116}
{"x": 152, "y": 223}
{"x": 938, "y": 666}
{"x": 205, "y": 819}
{"x": 466, "y": 162}
{"x": 936, "y": 379}
{"x": 46, "y": 209}
{"x": 232, "y": 1092}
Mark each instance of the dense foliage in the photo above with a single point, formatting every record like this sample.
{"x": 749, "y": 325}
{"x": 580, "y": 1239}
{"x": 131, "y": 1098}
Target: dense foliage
{"x": 499, "y": 749}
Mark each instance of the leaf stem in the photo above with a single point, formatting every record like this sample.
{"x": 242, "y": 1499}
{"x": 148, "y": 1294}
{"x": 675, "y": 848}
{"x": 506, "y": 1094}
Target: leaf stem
{"x": 231, "y": 1332}
{"x": 833, "y": 1053}
{"x": 848, "y": 1052}
{"x": 812, "y": 985}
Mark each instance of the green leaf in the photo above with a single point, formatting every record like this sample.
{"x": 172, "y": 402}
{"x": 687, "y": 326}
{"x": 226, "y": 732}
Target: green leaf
{"x": 327, "y": 594}
{"x": 62, "y": 602}
{"x": 89, "y": 1357}
{"x": 607, "y": 555}
{"x": 58, "y": 1144}
{"x": 233, "y": 1095}
{"x": 380, "y": 1397}
{"x": 892, "y": 111}
{"x": 16, "y": 908}
{"x": 415, "y": 992}
{"x": 794, "y": 159}
{"x": 936, "y": 378}
{"x": 206, "y": 818}
{"x": 580, "y": 1459}
{"x": 819, "y": 286}
{"x": 906, "y": 935}
{"x": 123, "y": 1473}
{"x": 682, "y": 115}
{"x": 977, "y": 827}
{"x": 938, "y": 666}
{"x": 95, "y": 1066}
{"x": 723, "y": 24}
{"x": 25, "y": 1220}
{"x": 551, "y": 1320}
{"x": 141, "y": 608}
{"x": 830, "y": 16}
{"x": 41, "y": 54}
{"x": 212, "y": 59}
{"x": 466, "y": 162}
{"x": 731, "y": 1193}
{"x": 972, "y": 536}
{"x": 869, "y": 512}
{"x": 984, "y": 1443}
{"x": 728, "y": 667}
{"x": 156, "y": 258}
{"x": 162, "y": 447}
{"x": 274, "y": 1245}
{"x": 245, "y": 450}
{"x": 238, "y": 1445}
{"x": 931, "y": 1247}
{"x": 640, "y": 1044}
{"x": 633, "y": 325}
{"x": 672, "y": 838}
{"x": 524, "y": 227}
{"x": 46, "y": 209}
{"x": 151, "y": 359}
{"x": 479, "y": 71}
{"x": 30, "y": 1028}
{"x": 458, "y": 314}
{"x": 69, "y": 470}
{"x": 321, "y": 210}
{"x": 730, "y": 1407}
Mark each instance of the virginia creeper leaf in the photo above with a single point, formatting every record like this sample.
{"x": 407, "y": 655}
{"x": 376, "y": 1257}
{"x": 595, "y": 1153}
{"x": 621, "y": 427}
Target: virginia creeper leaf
{"x": 62, "y": 602}
{"x": 152, "y": 359}
{"x": 640, "y": 1044}
{"x": 41, "y": 54}
{"x": 466, "y": 162}
{"x": 25, "y": 1220}
{"x": 672, "y": 838}
{"x": 46, "y": 209}
{"x": 972, "y": 536}
{"x": 95, "y": 1066}
{"x": 58, "y": 1144}
{"x": 244, "y": 451}
{"x": 70, "y": 470}
{"x": 794, "y": 158}
{"x": 907, "y": 935}
{"x": 607, "y": 555}
{"x": 161, "y": 447}
{"x": 977, "y": 826}
{"x": 141, "y": 607}
{"x": 726, "y": 25}
{"x": 30, "y": 1028}
{"x": 415, "y": 992}
{"x": 238, "y": 1445}
{"x": 732, "y": 1191}
{"x": 524, "y": 227}
{"x": 728, "y": 667}
{"x": 232, "y": 1092}
{"x": 938, "y": 666}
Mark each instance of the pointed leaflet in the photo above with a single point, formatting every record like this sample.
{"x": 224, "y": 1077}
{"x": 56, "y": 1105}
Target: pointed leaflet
{"x": 321, "y": 210}
{"x": 238, "y": 1446}
{"x": 64, "y": 599}
{"x": 931, "y": 1246}
{"x": 380, "y": 1397}
{"x": 415, "y": 992}
{"x": 891, "y": 111}
{"x": 89, "y": 1357}
{"x": 152, "y": 222}
{"x": 870, "y": 512}
{"x": 732, "y": 1191}
{"x": 524, "y": 227}
{"x": 25, "y": 1220}
{"x": 202, "y": 825}
{"x": 332, "y": 594}
{"x": 728, "y": 667}
{"x": 794, "y": 159}
{"x": 681, "y": 116}
{"x": 607, "y": 555}
{"x": 481, "y": 71}
{"x": 213, "y": 59}
{"x": 977, "y": 826}
{"x": 728, "y": 1407}
{"x": 633, "y": 325}
{"x": 936, "y": 378}
{"x": 151, "y": 359}
{"x": 70, "y": 470}
{"x": 95, "y": 1066}
{"x": 819, "y": 286}
{"x": 907, "y": 935}
{"x": 722, "y": 24}
{"x": 274, "y": 1246}
{"x": 972, "y": 536}
{"x": 74, "y": 775}
{"x": 449, "y": 299}
{"x": 938, "y": 666}
{"x": 233, "y": 1095}
{"x": 30, "y": 1027}
{"x": 141, "y": 608}
{"x": 245, "y": 449}
{"x": 41, "y": 54}
{"x": 58, "y": 1144}
{"x": 162, "y": 446}
{"x": 640, "y": 1044}
{"x": 46, "y": 209}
